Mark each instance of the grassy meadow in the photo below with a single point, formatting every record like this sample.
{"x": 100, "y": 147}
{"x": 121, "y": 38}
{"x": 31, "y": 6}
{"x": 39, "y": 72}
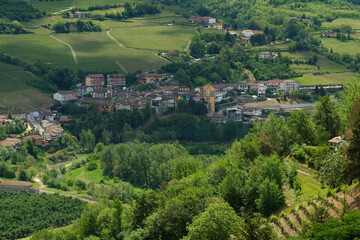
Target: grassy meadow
{"x": 353, "y": 23}
{"x": 14, "y": 92}
{"x": 326, "y": 79}
{"x": 352, "y": 47}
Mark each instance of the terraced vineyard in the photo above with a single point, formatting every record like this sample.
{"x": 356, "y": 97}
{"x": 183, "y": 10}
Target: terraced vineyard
{"x": 296, "y": 221}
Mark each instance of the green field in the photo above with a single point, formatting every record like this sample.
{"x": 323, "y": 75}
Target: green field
{"x": 36, "y": 47}
{"x": 354, "y": 23}
{"x": 155, "y": 37}
{"x": 92, "y": 3}
{"x": 96, "y": 52}
{"x": 51, "y": 6}
{"x": 351, "y": 47}
{"x": 326, "y": 66}
{"x": 326, "y": 79}
{"x": 15, "y": 94}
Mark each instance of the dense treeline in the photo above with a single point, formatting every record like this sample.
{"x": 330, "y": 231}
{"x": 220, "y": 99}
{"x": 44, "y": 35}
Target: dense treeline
{"x": 12, "y": 28}
{"x": 78, "y": 26}
{"x": 185, "y": 127}
{"x": 23, "y": 213}
{"x": 19, "y": 10}
{"x": 114, "y": 126}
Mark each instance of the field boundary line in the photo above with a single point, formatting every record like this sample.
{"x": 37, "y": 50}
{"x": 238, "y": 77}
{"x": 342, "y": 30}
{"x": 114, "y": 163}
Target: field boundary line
{"x": 108, "y": 34}
{"x": 121, "y": 66}
{"x": 71, "y": 48}
{"x": 187, "y": 45}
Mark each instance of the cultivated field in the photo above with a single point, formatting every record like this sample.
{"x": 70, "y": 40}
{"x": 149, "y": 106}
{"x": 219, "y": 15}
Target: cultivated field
{"x": 92, "y": 3}
{"x": 354, "y": 23}
{"x": 351, "y": 47}
{"x": 16, "y": 94}
{"x": 96, "y": 52}
{"x": 155, "y": 37}
{"x": 51, "y": 6}
{"x": 326, "y": 66}
{"x": 326, "y": 79}
{"x": 36, "y": 47}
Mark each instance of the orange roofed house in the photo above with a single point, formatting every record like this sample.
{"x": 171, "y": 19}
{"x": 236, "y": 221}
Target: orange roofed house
{"x": 18, "y": 186}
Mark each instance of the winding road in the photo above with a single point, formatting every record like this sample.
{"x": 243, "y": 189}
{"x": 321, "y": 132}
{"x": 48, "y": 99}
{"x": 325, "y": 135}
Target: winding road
{"x": 71, "y": 48}
{"x": 42, "y": 190}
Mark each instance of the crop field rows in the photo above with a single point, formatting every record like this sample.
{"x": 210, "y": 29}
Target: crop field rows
{"x": 330, "y": 72}
{"x": 13, "y": 82}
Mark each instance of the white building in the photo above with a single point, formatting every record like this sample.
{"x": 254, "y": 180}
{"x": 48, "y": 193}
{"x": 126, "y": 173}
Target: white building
{"x": 288, "y": 85}
{"x": 65, "y": 96}
{"x": 247, "y": 33}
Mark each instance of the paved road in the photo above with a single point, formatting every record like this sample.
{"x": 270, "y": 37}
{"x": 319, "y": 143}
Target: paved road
{"x": 36, "y": 124}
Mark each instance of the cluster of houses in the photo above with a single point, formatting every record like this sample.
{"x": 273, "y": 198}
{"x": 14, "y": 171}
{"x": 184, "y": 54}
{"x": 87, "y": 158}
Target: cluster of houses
{"x": 112, "y": 94}
{"x": 49, "y": 131}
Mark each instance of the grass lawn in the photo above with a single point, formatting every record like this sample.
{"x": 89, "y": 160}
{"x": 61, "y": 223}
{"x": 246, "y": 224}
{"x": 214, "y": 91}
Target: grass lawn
{"x": 155, "y": 37}
{"x": 96, "y": 52}
{"x": 51, "y": 6}
{"x": 15, "y": 94}
{"x": 326, "y": 79}
{"x": 351, "y": 47}
{"x": 353, "y": 23}
{"x": 325, "y": 64}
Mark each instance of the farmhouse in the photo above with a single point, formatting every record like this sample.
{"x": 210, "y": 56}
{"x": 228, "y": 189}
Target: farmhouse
{"x": 329, "y": 34}
{"x": 65, "y": 96}
{"x": 17, "y": 187}
{"x": 247, "y": 33}
{"x": 95, "y": 80}
{"x": 80, "y": 15}
{"x": 263, "y": 55}
{"x": 208, "y": 20}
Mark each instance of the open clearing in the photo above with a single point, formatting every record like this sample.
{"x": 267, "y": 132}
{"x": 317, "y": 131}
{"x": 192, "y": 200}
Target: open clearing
{"x": 351, "y": 47}
{"x": 353, "y": 23}
{"x": 16, "y": 94}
